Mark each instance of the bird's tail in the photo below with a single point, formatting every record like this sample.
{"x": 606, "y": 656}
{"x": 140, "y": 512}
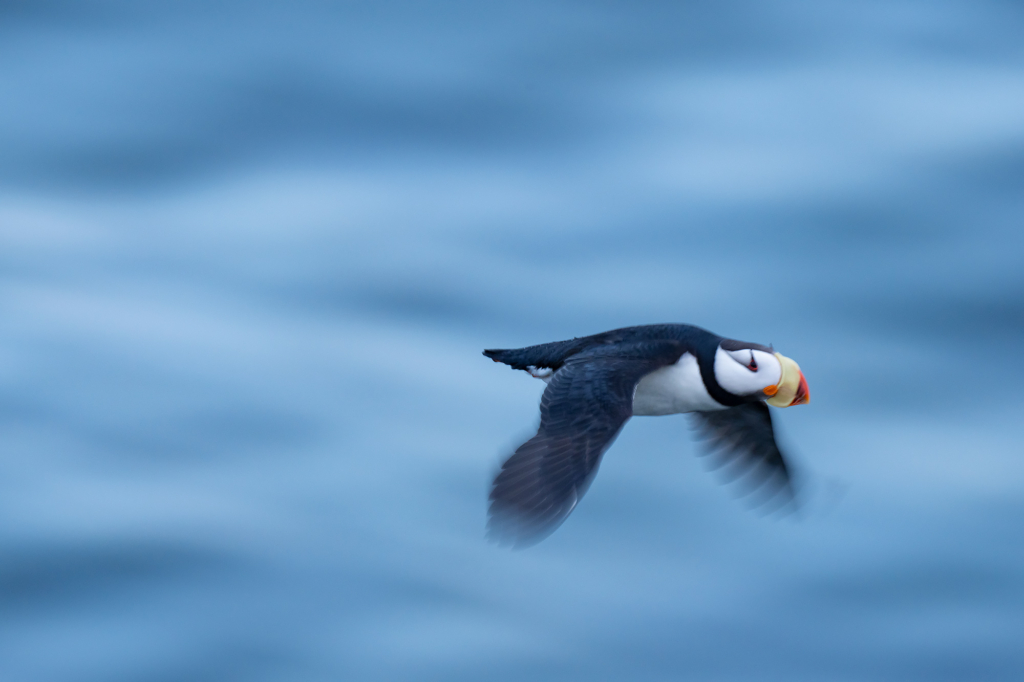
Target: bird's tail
{"x": 501, "y": 355}
{"x": 545, "y": 356}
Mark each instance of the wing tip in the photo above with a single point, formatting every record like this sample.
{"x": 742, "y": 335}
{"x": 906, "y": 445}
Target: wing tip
{"x": 519, "y": 527}
{"x": 513, "y": 532}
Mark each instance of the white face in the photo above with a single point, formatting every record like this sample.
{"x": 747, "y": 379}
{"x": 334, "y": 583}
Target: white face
{"x": 747, "y": 371}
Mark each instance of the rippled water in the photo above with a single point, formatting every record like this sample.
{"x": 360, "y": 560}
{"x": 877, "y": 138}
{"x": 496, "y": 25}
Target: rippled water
{"x": 251, "y": 252}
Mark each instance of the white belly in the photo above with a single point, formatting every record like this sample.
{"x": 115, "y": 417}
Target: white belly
{"x": 673, "y": 389}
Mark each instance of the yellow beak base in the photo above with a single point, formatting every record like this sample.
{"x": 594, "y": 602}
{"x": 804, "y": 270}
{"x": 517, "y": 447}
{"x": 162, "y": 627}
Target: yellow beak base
{"x": 792, "y": 387}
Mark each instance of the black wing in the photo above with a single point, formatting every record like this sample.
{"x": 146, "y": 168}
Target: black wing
{"x": 743, "y": 440}
{"x": 581, "y": 412}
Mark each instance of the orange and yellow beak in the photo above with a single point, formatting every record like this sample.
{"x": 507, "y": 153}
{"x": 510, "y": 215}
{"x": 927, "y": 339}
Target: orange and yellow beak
{"x": 792, "y": 387}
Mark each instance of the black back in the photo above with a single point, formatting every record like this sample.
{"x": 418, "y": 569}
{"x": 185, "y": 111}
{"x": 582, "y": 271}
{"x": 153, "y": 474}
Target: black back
{"x": 701, "y": 343}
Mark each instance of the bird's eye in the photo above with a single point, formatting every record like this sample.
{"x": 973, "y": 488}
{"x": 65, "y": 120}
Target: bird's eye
{"x": 744, "y": 357}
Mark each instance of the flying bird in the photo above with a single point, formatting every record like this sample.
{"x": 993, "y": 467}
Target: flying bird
{"x": 596, "y": 383}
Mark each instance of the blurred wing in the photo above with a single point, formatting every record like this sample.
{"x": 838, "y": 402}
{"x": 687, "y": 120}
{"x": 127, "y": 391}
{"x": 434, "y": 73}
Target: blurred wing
{"x": 743, "y": 441}
{"x": 581, "y": 412}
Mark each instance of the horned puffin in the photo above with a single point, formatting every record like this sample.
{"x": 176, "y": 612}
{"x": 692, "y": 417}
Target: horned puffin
{"x": 596, "y": 383}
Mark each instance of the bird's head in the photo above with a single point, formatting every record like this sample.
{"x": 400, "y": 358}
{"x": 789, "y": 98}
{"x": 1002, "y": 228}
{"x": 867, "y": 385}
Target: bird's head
{"x": 756, "y": 371}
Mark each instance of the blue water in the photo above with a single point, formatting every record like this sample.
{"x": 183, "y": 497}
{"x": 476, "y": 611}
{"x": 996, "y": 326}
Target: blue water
{"x": 250, "y": 254}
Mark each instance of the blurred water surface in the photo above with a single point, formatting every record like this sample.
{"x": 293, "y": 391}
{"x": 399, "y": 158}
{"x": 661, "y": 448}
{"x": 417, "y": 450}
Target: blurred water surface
{"x": 250, "y": 253}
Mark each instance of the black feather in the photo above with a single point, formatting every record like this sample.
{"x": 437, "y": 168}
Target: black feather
{"x": 744, "y": 434}
{"x": 582, "y": 410}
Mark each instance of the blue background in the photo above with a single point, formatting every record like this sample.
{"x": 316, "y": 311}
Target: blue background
{"x": 250, "y": 253}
